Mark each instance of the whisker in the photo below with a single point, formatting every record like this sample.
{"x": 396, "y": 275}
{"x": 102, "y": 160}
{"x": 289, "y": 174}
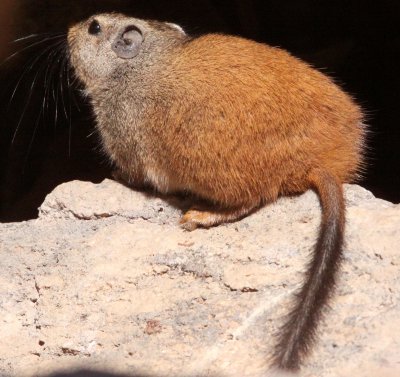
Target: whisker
{"x": 55, "y": 97}
{"x": 74, "y": 98}
{"x": 32, "y": 140}
{"x": 53, "y": 60}
{"x": 65, "y": 62}
{"x": 28, "y": 69}
{"x": 61, "y": 75}
{"x": 34, "y": 36}
{"x": 91, "y": 134}
{"x": 64, "y": 78}
{"x": 60, "y": 62}
{"x": 55, "y": 94}
{"x": 39, "y": 71}
{"x": 47, "y": 82}
{"x": 25, "y": 107}
{"x": 72, "y": 85}
{"x": 30, "y": 46}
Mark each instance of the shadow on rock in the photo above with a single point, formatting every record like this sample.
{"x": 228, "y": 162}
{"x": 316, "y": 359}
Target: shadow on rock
{"x": 93, "y": 373}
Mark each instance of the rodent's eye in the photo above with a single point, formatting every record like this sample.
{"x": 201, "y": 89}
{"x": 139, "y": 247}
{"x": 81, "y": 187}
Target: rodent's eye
{"x": 94, "y": 28}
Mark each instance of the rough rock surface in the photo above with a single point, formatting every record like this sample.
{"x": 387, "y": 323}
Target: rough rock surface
{"x": 106, "y": 279}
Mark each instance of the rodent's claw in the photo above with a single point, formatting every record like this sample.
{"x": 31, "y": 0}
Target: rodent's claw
{"x": 189, "y": 226}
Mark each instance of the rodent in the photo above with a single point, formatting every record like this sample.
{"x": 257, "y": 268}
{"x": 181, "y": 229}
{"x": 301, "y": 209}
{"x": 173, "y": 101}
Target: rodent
{"x": 231, "y": 121}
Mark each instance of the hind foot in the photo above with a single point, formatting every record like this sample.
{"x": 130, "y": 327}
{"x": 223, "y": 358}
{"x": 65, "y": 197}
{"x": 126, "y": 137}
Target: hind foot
{"x": 195, "y": 218}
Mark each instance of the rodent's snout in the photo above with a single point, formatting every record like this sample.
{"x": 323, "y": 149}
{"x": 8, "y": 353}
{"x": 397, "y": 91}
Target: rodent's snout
{"x": 81, "y": 49}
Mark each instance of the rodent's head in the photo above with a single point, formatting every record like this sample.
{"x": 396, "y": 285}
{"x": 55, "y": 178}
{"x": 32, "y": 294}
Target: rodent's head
{"x": 109, "y": 45}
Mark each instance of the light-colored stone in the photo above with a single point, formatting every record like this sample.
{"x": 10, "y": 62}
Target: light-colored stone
{"x": 105, "y": 278}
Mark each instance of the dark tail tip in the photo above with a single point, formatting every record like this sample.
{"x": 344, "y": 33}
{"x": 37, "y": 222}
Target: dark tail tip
{"x": 298, "y": 333}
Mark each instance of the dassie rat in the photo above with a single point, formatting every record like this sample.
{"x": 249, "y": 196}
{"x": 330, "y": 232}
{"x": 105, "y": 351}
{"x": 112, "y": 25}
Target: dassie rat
{"x": 231, "y": 121}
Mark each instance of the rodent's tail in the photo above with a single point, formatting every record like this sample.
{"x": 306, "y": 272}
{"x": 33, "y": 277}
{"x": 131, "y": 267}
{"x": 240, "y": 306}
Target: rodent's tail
{"x": 298, "y": 333}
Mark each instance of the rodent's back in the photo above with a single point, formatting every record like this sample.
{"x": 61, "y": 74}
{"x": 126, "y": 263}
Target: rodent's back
{"x": 247, "y": 120}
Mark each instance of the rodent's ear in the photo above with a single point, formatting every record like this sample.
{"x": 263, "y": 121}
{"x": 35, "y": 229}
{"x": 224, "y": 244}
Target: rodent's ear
{"x": 177, "y": 27}
{"x": 127, "y": 44}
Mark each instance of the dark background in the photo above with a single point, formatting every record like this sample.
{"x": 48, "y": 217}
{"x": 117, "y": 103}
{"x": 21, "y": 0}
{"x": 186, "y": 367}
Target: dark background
{"x": 356, "y": 42}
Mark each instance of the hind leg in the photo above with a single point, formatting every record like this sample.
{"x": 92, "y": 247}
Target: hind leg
{"x": 207, "y": 218}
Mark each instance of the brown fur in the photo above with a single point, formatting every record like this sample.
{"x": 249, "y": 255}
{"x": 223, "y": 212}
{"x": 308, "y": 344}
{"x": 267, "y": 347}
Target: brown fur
{"x": 232, "y": 121}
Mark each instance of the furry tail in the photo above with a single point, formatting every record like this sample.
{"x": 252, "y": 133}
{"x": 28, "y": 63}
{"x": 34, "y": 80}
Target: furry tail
{"x": 298, "y": 333}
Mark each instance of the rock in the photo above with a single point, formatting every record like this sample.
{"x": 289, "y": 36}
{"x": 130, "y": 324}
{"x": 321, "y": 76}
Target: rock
{"x": 85, "y": 201}
{"x": 106, "y": 279}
